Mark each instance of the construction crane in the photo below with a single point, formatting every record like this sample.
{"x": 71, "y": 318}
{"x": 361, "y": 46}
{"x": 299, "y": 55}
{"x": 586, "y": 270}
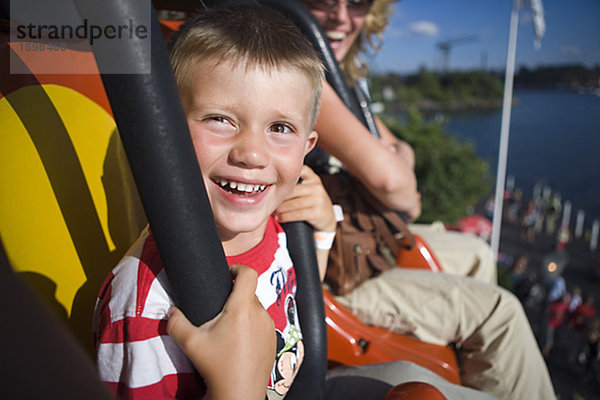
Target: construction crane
{"x": 446, "y": 46}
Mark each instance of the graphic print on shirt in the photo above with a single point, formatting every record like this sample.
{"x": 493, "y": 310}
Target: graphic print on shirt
{"x": 290, "y": 350}
{"x": 137, "y": 358}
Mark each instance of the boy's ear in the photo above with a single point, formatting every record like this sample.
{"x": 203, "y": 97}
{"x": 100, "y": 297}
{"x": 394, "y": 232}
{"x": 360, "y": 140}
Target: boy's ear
{"x": 311, "y": 142}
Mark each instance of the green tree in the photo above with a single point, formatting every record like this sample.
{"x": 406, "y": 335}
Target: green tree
{"x": 429, "y": 83}
{"x": 451, "y": 176}
{"x": 428, "y": 90}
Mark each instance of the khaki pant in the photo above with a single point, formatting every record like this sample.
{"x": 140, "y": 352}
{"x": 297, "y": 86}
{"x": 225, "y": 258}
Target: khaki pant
{"x": 497, "y": 351}
{"x": 459, "y": 253}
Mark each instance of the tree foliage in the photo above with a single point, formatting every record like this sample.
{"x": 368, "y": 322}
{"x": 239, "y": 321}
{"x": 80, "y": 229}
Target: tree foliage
{"x": 429, "y": 90}
{"x": 451, "y": 176}
{"x": 565, "y": 76}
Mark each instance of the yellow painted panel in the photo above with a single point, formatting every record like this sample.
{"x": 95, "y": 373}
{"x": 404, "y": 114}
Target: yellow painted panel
{"x": 90, "y": 128}
{"x": 32, "y": 227}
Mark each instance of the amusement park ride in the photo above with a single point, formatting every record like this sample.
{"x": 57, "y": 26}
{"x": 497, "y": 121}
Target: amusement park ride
{"x": 70, "y": 207}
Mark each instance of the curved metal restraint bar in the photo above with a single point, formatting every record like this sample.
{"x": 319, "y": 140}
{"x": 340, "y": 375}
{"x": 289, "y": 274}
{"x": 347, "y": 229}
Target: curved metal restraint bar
{"x": 40, "y": 356}
{"x": 153, "y": 128}
{"x": 311, "y": 28}
{"x": 310, "y": 381}
{"x": 356, "y": 100}
{"x": 163, "y": 162}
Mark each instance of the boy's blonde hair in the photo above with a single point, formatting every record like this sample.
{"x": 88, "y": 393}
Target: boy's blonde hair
{"x": 248, "y": 35}
{"x": 371, "y": 36}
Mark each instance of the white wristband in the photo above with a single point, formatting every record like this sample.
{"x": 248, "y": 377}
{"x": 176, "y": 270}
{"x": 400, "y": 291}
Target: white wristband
{"x": 338, "y": 213}
{"x": 324, "y": 240}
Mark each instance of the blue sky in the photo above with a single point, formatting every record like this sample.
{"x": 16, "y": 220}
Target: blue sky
{"x": 572, "y": 34}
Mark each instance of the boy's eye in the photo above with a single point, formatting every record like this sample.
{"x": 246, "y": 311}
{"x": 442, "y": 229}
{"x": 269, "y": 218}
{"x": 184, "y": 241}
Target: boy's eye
{"x": 219, "y": 124}
{"x": 281, "y": 128}
{"x": 218, "y": 118}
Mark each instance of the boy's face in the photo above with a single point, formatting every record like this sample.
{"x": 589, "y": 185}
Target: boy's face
{"x": 250, "y": 129}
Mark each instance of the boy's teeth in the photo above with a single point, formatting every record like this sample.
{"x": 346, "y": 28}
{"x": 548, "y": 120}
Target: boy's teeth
{"x": 242, "y": 187}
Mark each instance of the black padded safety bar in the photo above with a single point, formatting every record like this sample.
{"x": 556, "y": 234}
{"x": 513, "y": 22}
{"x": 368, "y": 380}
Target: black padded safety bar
{"x": 154, "y": 132}
{"x": 310, "y": 381}
{"x": 5, "y": 10}
{"x": 41, "y": 359}
{"x": 365, "y": 106}
{"x": 355, "y": 100}
{"x": 178, "y": 5}
{"x": 298, "y": 13}
{"x": 153, "y": 129}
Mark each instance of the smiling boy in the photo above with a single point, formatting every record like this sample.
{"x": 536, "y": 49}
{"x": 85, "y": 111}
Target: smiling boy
{"x": 251, "y": 101}
{"x": 250, "y": 133}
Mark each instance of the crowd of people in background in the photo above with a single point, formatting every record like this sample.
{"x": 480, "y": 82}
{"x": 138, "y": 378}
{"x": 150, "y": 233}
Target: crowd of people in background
{"x": 542, "y": 211}
{"x": 545, "y": 215}
{"x": 569, "y": 323}
{"x": 569, "y": 326}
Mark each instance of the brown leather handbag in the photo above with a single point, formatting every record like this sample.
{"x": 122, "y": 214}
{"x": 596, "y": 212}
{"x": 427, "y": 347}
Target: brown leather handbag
{"x": 367, "y": 240}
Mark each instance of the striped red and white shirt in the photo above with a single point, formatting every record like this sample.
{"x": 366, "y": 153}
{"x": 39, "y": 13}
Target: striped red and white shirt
{"x": 136, "y": 356}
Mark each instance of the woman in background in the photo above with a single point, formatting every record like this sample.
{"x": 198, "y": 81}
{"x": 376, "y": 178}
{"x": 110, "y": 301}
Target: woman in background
{"x": 496, "y": 349}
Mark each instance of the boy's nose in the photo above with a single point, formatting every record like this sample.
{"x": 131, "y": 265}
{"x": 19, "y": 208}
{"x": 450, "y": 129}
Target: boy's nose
{"x": 250, "y": 150}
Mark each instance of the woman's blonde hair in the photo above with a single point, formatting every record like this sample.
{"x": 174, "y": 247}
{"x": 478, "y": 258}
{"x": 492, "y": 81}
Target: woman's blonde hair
{"x": 371, "y": 37}
{"x": 247, "y": 35}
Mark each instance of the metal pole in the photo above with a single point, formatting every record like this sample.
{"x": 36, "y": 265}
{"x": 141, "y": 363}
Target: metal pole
{"x": 505, "y": 126}
{"x": 579, "y": 223}
{"x": 594, "y": 237}
{"x": 155, "y": 135}
{"x": 566, "y": 218}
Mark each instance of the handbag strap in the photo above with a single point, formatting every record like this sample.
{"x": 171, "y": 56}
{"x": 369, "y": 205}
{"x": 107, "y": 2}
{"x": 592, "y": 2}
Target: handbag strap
{"x": 407, "y": 240}
{"x": 341, "y": 188}
{"x": 389, "y": 216}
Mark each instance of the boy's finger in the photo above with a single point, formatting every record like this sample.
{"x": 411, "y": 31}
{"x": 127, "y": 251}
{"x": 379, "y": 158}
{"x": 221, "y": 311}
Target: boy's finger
{"x": 245, "y": 283}
{"x": 296, "y": 204}
{"x": 179, "y": 327}
{"x": 303, "y": 214}
{"x": 307, "y": 174}
{"x": 306, "y": 188}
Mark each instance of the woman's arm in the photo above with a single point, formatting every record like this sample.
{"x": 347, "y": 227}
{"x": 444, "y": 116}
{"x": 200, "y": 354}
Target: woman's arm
{"x": 396, "y": 145}
{"x": 378, "y": 164}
